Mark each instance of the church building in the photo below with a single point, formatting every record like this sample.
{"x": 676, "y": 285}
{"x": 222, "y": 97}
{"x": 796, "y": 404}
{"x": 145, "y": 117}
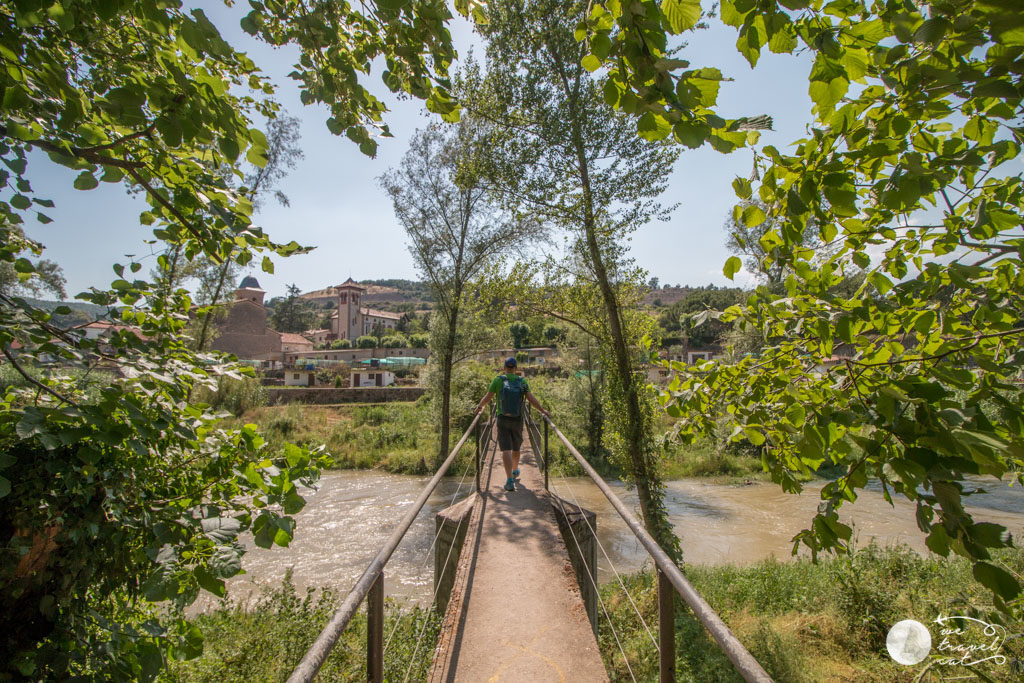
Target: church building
{"x": 350, "y": 320}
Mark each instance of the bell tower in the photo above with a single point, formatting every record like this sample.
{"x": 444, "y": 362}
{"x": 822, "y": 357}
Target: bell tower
{"x": 350, "y": 317}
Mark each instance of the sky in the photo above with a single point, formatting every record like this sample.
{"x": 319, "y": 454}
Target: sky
{"x": 337, "y": 206}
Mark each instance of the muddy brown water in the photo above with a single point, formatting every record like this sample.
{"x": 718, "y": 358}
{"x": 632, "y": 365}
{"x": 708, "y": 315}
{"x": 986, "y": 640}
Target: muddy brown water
{"x": 352, "y": 514}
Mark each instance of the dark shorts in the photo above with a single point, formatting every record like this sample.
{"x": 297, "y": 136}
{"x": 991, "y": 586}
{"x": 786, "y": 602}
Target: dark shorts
{"x": 510, "y": 433}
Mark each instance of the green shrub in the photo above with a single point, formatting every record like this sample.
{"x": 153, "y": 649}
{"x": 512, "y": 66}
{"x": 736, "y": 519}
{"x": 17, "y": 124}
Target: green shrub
{"x": 234, "y": 395}
{"x": 341, "y": 344}
{"x": 366, "y": 342}
{"x": 266, "y": 641}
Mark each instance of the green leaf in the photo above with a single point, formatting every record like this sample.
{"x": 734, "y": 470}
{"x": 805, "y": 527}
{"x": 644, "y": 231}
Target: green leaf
{"x": 86, "y": 181}
{"x": 997, "y": 580}
{"x": 209, "y": 582}
{"x": 691, "y": 133}
{"x": 652, "y": 127}
{"x": 5, "y": 486}
{"x": 681, "y": 15}
{"x": 591, "y": 63}
{"x": 267, "y": 265}
{"x": 753, "y": 216}
{"x": 226, "y": 562}
{"x": 732, "y": 266}
{"x": 221, "y": 530}
{"x": 20, "y": 201}
{"x": 228, "y": 147}
{"x": 742, "y": 188}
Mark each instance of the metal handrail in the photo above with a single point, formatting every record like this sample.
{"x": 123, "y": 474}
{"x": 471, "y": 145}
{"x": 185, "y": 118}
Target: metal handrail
{"x": 745, "y": 664}
{"x": 317, "y": 653}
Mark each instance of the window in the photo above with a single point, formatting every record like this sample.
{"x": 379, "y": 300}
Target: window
{"x": 295, "y": 376}
{"x": 344, "y": 298}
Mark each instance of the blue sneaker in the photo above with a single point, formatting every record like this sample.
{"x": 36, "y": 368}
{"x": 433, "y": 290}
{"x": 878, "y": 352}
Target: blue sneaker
{"x": 510, "y": 484}
{"x": 515, "y": 473}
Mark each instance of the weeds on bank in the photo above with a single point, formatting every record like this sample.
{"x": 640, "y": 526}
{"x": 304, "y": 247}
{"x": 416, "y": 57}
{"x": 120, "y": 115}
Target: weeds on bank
{"x": 266, "y": 641}
{"x": 395, "y": 437}
{"x": 812, "y": 622}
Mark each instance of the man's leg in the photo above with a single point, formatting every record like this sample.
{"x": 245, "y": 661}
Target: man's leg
{"x": 506, "y": 460}
{"x": 515, "y": 462}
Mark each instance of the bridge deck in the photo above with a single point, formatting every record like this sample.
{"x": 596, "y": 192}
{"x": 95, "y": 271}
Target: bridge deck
{"x": 515, "y": 612}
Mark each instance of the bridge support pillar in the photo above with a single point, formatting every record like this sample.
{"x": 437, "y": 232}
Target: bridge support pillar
{"x": 578, "y": 526}
{"x": 450, "y": 526}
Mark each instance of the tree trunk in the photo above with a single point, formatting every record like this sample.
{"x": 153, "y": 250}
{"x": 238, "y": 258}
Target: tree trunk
{"x": 446, "y": 379}
{"x": 648, "y": 484}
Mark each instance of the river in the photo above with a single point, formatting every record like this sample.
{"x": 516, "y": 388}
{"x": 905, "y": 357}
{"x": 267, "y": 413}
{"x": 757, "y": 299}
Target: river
{"x": 348, "y": 519}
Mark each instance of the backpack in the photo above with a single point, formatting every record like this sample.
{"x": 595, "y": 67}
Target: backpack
{"x": 511, "y": 398}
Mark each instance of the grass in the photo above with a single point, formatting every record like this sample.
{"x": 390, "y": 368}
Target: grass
{"x": 396, "y": 437}
{"x": 265, "y": 641}
{"x": 810, "y": 622}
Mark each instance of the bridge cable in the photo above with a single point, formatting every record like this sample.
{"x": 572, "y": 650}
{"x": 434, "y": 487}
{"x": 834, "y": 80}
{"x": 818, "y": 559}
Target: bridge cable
{"x": 433, "y": 544}
{"x": 597, "y": 592}
{"x": 612, "y": 565}
{"x": 419, "y": 637}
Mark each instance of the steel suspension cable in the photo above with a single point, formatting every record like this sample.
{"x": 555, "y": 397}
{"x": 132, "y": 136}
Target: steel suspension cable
{"x": 611, "y": 564}
{"x": 426, "y": 555}
{"x": 593, "y": 582}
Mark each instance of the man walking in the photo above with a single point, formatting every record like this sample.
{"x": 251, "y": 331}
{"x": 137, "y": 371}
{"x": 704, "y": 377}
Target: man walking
{"x": 511, "y": 390}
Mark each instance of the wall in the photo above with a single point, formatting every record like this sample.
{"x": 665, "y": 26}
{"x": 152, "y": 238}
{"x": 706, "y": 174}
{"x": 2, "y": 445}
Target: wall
{"x": 349, "y": 395}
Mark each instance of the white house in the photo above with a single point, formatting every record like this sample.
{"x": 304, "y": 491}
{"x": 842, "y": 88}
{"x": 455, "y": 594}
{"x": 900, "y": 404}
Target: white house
{"x": 299, "y": 378}
{"x": 372, "y": 377}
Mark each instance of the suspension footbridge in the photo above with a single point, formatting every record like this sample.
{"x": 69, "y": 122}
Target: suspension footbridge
{"x": 515, "y": 578}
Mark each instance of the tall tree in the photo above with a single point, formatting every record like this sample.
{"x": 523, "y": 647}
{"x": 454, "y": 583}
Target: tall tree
{"x": 292, "y": 313}
{"x": 751, "y": 233}
{"x": 561, "y": 153}
{"x": 443, "y": 201}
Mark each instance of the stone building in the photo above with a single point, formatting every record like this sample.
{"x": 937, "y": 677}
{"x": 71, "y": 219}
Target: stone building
{"x": 350, "y": 320}
{"x": 245, "y": 333}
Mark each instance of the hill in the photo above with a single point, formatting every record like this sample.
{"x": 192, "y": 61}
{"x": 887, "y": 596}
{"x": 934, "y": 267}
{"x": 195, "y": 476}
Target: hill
{"x": 393, "y": 291}
{"x": 81, "y": 312}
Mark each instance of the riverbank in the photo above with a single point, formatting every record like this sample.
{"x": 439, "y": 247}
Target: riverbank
{"x": 401, "y": 438}
{"x": 816, "y": 622}
{"x": 394, "y": 437}
{"x": 802, "y": 621}
{"x": 265, "y": 640}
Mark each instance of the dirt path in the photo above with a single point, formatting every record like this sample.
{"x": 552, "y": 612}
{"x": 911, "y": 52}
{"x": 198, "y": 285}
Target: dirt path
{"x": 519, "y": 612}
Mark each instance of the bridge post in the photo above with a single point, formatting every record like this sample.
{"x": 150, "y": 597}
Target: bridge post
{"x": 479, "y": 432}
{"x": 666, "y": 628}
{"x": 375, "y": 631}
{"x": 546, "y": 456}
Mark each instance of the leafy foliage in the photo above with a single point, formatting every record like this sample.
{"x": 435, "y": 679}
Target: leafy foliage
{"x": 911, "y": 170}
{"x": 292, "y": 313}
{"x": 116, "y": 502}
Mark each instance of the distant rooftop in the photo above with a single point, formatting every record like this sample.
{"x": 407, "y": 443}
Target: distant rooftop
{"x": 249, "y": 282}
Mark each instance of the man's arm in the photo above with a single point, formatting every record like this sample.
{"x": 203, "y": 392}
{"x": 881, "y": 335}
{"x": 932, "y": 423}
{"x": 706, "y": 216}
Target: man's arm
{"x": 533, "y": 402}
{"x": 484, "y": 401}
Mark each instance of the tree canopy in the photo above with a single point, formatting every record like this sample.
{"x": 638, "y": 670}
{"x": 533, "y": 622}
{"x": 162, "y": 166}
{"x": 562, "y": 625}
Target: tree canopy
{"x": 911, "y": 171}
{"x": 123, "y": 493}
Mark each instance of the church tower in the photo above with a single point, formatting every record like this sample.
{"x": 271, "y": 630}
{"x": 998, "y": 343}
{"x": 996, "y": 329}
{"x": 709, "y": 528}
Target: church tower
{"x": 350, "y": 317}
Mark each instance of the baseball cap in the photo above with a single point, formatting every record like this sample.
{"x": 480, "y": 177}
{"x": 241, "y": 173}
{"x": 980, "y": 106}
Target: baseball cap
{"x": 510, "y": 362}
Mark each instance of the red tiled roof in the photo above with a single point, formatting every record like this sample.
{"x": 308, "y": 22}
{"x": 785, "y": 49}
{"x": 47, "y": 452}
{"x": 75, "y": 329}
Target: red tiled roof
{"x": 292, "y": 338}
